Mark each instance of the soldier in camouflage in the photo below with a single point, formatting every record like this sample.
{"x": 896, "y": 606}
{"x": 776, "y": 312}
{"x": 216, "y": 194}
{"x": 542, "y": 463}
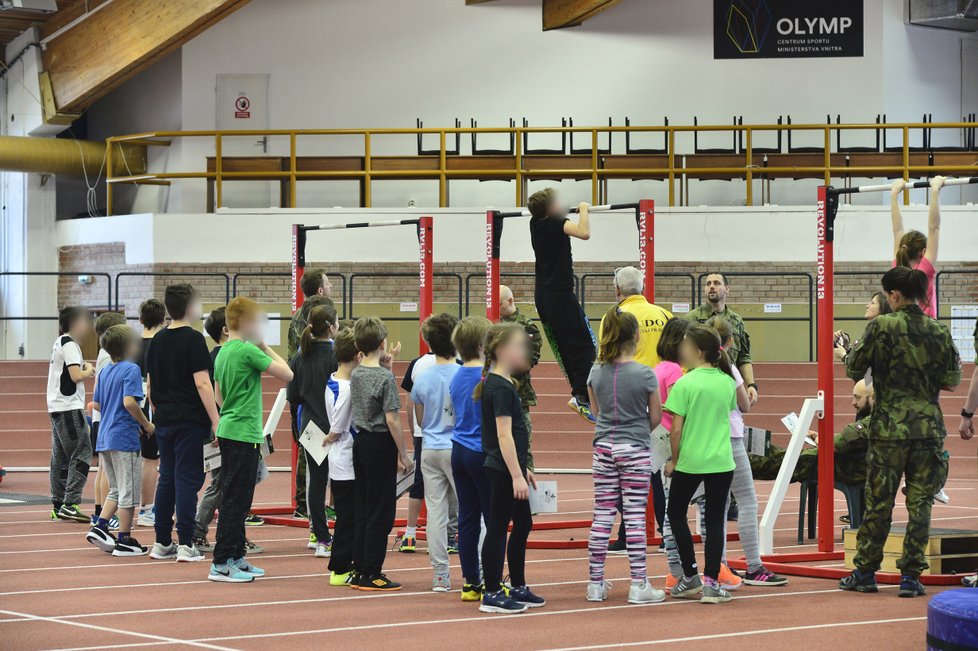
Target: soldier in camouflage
{"x": 912, "y": 358}
{"x": 850, "y": 448}
{"x": 316, "y": 289}
{"x": 528, "y": 397}
{"x": 716, "y": 304}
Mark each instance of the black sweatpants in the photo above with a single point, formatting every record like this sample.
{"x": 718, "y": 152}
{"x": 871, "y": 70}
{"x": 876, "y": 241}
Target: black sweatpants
{"x": 342, "y": 560}
{"x": 239, "y": 470}
{"x": 716, "y": 489}
{"x": 570, "y": 336}
{"x": 375, "y": 466}
{"x": 503, "y": 509}
{"x": 317, "y": 478}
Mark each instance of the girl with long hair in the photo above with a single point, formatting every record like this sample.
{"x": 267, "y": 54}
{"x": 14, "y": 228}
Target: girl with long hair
{"x": 914, "y": 250}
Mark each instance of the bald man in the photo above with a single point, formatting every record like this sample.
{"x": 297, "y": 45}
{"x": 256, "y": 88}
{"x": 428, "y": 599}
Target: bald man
{"x": 509, "y": 312}
{"x": 850, "y": 447}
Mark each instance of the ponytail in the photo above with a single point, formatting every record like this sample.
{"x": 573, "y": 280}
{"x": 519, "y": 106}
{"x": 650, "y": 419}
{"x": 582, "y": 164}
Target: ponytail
{"x": 618, "y": 330}
{"x": 911, "y": 283}
{"x": 321, "y": 319}
{"x": 708, "y": 340}
{"x": 498, "y": 335}
{"x": 910, "y": 248}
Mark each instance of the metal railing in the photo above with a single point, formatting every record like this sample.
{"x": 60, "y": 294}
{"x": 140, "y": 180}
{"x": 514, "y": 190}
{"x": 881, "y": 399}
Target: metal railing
{"x": 610, "y": 274}
{"x": 404, "y": 274}
{"x": 502, "y": 275}
{"x": 674, "y": 165}
{"x": 285, "y": 274}
{"x": 937, "y": 292}
{"x": 809, "y": 318}
{"x": 172, "y": 274}
{"x": 59, "y": 274}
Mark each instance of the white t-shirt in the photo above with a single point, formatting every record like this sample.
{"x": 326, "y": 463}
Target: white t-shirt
{"x": 104, "y": 359}
{"x": 63, "y": 393}
{"x": 340, "y": 420}
{"x": 737, "y": 418}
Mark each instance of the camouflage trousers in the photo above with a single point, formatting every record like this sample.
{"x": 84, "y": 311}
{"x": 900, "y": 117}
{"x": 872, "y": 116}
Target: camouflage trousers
{"x": 529, "y": 439}
{"x": 924, "y": 464}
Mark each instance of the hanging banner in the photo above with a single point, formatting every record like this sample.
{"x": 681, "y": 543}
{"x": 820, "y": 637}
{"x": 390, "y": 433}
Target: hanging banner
{"x": 776, "y": 29}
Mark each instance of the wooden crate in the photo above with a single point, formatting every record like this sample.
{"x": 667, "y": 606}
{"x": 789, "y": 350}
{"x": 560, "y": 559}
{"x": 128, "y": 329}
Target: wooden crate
{"x": 948, "y": 551}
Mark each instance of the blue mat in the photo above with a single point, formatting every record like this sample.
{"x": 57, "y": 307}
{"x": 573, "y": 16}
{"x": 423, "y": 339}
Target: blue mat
{"x": 952, "y": 620}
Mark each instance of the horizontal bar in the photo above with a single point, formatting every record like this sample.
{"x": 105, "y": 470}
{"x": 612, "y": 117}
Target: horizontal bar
{"x": 605, "y": 208}
{"x": 909, "y": 186}
{"x": 334, "y": 227}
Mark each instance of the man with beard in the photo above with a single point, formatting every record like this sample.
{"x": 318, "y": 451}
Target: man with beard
{"x": 716, "y": 304}
{"x": 850, "y": 448}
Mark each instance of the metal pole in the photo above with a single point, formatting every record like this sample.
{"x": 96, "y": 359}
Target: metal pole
{"x": 646, "y": 245}
{"x": 298, "y": 263}
{"x": 494, "y": 231}
{"x": 825, "y": 216}
{"x": 427, "y": 264}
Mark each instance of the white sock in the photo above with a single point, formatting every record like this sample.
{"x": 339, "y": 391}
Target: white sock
{"x": 410, "y": 532}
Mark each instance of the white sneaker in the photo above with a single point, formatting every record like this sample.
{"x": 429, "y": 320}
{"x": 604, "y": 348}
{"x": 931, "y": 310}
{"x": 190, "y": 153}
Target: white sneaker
{"x": 441, "y": 583}
{"x": 146, "y": 517}
{"x": 942, "y": 497}
{"x": 598, "y": 591}
{"x": 645, "y": 594}
{"x": 187, "y": 554}
{"x": 323, "y": 550}
{"x": 163, "y": 552}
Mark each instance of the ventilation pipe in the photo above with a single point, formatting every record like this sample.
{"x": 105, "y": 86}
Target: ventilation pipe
{"x": 960, "y": 15}
{"x": 68, "y": 156}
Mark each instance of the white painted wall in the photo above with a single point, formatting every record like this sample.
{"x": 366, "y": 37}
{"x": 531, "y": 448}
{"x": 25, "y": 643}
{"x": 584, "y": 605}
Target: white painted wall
{"x": 768, "y": 234}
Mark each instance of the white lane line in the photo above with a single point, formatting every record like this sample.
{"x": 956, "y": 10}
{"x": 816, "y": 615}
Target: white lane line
{"x": 483, "y": 618}
{"x": 713, "y": 636}
{"x": 457, "y": 620}
{"x": 103, "y": 629}
{"x": 144, "y": 561}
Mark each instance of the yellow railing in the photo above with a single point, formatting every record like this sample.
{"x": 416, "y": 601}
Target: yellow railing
{"x": 670, "y": 165}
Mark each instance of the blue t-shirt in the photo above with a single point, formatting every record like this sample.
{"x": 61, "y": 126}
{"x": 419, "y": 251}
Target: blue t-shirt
{"x": 118, "y": 430}
{"x": 431, "y": 391}
{"x": 468, "y": 410}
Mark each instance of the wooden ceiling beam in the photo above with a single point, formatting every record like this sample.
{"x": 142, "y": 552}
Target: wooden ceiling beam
{"x": 558, "y": 14}
{"x": 87, "y": 61}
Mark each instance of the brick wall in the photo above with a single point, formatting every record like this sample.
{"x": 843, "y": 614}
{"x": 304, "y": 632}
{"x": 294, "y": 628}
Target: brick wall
{"x": 110, "y": 258}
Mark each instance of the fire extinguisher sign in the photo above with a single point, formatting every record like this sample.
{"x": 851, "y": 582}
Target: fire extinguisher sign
{"x": 242, "y": 107}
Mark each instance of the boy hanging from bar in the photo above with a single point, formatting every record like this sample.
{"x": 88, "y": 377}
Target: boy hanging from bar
{"x": 564, "y": 322}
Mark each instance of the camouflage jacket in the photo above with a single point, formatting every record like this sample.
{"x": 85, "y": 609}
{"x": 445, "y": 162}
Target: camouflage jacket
{"x": 740, "y": 350}
{"x": 297, "y": 325}
{"x": 850, "y": 446}
{"x": 527, "y": 395}
{"x": 912, "y": 358}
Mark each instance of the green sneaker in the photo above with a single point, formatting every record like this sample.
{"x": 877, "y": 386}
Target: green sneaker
{"x": 72, "y": 512}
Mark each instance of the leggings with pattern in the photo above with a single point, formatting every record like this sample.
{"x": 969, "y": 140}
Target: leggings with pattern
{"x": 622, "y": 473}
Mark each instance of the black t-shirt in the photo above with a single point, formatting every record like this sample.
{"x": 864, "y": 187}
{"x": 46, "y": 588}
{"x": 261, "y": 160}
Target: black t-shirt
{"x": 143, "y": 352}
{"x": 214, "y": 351}
{"x": 500, "y": 398}
{"x": 308, "y": 385}
{"x": 552, "y": 247}
{"x": 173, "y": 358}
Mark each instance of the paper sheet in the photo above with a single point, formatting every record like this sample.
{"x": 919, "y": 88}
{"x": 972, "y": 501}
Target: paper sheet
{"x": 313, "y": 439}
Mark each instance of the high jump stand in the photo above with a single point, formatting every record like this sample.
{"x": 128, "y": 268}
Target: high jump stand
{"x": 826, "y": 212}
{"x": 282, "y": 515}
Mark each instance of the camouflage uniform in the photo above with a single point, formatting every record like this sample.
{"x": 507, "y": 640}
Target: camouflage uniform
{"x": 296, "y": 326}
{"x": 739, "y": 351}
{"x": 912, "y": 357}
{"x": 528, "y": 397}
{"x": 850, "y": 457}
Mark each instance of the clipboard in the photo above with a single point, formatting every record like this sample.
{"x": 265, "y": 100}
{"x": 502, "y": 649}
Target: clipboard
{"x": 313, "y": 439}
{"x": 404, "y": 483}
{"x": 212, "y": 457}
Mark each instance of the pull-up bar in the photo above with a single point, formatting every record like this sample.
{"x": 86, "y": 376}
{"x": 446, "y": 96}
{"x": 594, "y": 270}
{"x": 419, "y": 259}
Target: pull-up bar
{"x": 425, "y": 229}
{"x": 912, "y": 185}
{"x": 644, "y": 219}
{"x": 605, "y": 208}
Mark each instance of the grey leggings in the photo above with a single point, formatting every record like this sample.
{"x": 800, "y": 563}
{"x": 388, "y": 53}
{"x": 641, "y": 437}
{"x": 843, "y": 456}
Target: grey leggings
{"x": 742, "y": 487}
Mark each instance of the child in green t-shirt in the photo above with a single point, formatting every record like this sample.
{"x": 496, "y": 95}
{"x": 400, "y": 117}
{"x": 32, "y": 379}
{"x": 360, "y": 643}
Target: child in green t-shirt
{"x": 237, "y": 375}
{"x": 700, "y": 403}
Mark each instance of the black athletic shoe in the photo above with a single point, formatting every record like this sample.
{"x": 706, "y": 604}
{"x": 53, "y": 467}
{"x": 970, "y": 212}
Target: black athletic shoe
{"x": 859, "y": 581}
{"x": 129, "y": 547}
{"x": 101, "y": 539}
{"x": 733, "y": 512}
{"x": 300, "y": 514}
{"x": 910, "y": 586}
{"x": 377, "y": 583}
